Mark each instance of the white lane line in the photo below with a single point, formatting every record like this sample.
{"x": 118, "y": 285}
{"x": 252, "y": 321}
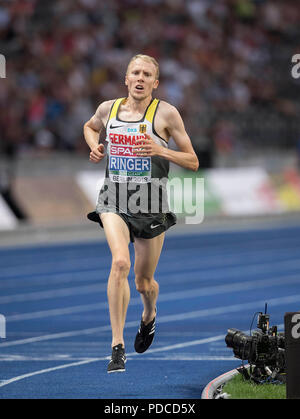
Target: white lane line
{"x": 87, "y": 265}
{"x": 90, "y": 360}
{"x": 236, "y": 271}
{"x": 58, "y": 311}
{"x": 44, "y": 371}
{"x": 186, "y": 358}
{"x": 132, "y": 354}
{"x": 61, "y": 335}
{"x": 60, "y": 278}
{"x": 55, "y": 293}
{"x": 37, "y": 267}
{"x": 39, "y": 358}
{"x": 202, "y": 259}
{"x": 168, "y": 357}
{"x": 239, "y": 271}
{"x": 163, "y": 319}
{"x": 172, "y": 296}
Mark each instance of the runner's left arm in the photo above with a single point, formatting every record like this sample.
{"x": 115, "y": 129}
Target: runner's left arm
{"x": 185, "y": 156}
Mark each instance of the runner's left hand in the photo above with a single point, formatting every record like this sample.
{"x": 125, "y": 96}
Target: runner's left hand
{"x": 146, "y": 147}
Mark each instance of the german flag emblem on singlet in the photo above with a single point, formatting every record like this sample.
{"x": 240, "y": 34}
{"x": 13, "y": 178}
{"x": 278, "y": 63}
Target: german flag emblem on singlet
{"x": 143, "y": 128}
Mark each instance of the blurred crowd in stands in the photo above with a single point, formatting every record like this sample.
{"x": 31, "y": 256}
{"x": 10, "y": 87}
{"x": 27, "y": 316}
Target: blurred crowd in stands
{"x": 225, "y": 64}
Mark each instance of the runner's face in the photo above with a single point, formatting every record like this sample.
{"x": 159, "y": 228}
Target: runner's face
{"x": 140, "y": 79}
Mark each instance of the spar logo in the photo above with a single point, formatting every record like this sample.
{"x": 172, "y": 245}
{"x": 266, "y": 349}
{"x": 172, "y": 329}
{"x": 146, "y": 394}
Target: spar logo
{"x": 121, "y": 151}
{"x": 2, "y": 326}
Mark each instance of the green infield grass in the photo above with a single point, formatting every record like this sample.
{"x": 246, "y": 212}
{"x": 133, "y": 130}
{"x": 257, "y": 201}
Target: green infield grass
{"x": 239, "y": 388}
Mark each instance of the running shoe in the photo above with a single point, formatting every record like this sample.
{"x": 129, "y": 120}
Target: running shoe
{"x": 118, "y": 359}
{"x": 144, "y": 336}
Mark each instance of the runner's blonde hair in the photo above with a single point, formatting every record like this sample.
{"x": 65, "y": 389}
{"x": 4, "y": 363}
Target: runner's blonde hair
{"x": 145, "y": 58}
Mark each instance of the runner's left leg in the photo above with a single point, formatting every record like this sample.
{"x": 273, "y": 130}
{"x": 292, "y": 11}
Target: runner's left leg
{"x": 147, "y": 253}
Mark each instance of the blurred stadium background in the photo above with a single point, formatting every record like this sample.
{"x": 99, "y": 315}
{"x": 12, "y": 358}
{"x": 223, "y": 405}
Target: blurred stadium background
{"x": 225, "y": 64}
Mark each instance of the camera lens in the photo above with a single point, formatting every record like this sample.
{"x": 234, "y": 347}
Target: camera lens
{"x": 230, "y": 337}
{"x": 241, "y": 343}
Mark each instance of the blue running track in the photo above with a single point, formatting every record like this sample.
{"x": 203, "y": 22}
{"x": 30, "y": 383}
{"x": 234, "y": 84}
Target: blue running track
{"x": 57, "y": 324}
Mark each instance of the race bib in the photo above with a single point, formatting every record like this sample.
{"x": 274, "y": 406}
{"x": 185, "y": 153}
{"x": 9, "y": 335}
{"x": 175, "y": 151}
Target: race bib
{"x": 125, "y": 166}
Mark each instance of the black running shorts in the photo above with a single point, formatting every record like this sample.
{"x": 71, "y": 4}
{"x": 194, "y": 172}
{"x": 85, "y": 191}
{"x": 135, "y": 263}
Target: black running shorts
{"x": 144, "y": 226}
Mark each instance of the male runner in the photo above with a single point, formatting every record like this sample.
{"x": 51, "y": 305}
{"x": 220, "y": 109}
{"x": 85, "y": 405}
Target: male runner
{"x": 138, "y": 129}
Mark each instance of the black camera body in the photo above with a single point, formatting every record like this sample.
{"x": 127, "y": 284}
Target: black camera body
{"x": 265, "y": 348}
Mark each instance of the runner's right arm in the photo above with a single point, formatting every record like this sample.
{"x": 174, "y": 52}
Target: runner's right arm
{"x": 92, "y": 129}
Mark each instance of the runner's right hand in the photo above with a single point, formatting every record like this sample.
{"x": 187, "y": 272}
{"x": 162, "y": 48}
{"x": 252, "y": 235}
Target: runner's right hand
{"x": 97, "y": 153}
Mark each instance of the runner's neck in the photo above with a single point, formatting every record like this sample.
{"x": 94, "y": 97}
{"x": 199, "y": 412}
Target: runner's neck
{"x": 133, "y": 107}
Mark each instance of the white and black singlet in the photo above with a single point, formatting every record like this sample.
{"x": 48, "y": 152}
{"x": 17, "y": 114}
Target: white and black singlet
{"x": 134, "y": 186}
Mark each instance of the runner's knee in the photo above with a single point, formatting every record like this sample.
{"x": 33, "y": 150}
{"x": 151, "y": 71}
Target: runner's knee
{"x": 144, "y": 284}
{"x": 121, "y": 264}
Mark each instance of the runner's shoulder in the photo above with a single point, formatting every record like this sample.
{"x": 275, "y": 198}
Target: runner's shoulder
{"x": 104, "y": 108}
{"x": 167, "y": 111}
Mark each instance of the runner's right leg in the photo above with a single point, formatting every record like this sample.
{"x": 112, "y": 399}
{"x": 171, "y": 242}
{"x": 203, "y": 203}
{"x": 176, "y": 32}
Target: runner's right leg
{"x": 118, "y": 291}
